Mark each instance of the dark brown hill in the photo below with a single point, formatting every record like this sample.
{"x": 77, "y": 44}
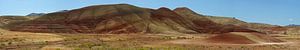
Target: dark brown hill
{"x": 124, "y": 18}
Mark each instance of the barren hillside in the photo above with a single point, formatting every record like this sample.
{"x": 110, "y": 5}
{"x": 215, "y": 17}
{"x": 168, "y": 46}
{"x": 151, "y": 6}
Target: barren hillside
{"x": 124, "y": 18}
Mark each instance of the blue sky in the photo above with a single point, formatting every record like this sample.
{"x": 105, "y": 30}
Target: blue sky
{"x": 279, "y": 12}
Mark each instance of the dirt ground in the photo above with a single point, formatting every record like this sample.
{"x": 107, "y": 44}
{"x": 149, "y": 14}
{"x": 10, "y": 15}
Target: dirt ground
{"x": 61, "y": 41}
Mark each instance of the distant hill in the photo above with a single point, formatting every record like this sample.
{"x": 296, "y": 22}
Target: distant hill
{"x": 226, "y": 20}
{"x": 36, "y": 14}
{"x": 261, "y": 27}
{"x": 293, "y": 25}
{"x": 292, "y": 29}
{"x": 125, "y": 18}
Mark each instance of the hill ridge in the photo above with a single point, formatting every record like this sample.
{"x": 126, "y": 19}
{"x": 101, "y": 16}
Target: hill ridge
{"x": 125, "y": 18}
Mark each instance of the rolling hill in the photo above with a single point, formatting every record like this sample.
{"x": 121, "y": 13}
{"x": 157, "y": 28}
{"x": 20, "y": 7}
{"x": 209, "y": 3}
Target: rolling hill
{"x": 125, "y": 18}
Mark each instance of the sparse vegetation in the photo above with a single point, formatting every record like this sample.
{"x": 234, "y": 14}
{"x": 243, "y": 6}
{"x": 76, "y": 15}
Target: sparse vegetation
{"x": 137, "y": 41}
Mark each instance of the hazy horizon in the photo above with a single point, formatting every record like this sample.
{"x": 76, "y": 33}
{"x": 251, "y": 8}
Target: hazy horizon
{"x": 277, "y": 12}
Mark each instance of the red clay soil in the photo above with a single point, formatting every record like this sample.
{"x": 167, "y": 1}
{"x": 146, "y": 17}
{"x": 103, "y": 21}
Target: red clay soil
{"x": 230, "y": 38}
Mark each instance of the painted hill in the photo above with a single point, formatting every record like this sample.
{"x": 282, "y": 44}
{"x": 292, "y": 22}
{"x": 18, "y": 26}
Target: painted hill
{"x": 125, "y": 18}
{"x": 242, "y": 38}
{"x": 265, "y": 28}
{"x": 261, "y": 27}
{"x": 10, "y": 21}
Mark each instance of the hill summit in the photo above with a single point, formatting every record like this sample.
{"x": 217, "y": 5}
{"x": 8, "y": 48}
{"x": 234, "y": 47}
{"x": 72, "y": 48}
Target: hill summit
{"x": 125, "y": 18}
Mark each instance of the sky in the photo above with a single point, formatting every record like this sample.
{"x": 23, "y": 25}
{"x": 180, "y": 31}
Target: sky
{"x": 277, "y": 12}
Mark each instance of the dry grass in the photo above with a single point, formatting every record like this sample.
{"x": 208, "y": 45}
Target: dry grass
{"x": 10, "y": 39}
{"x": 139, "y": 41}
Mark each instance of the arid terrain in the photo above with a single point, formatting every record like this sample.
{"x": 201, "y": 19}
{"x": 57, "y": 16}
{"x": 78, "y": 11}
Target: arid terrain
{"x": 61, "y": 41}
{"x": 128, "y": 27}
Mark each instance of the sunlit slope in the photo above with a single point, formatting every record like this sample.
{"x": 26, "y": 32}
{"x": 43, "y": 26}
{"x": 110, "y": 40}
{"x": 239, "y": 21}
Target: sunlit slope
{"x": 124, "y": 18}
